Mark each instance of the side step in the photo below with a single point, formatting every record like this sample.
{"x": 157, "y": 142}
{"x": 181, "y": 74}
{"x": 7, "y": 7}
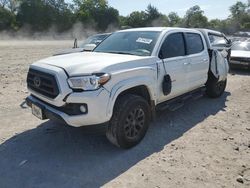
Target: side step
{"x": 176, "y": 106}
{"x": 178, "y": 102}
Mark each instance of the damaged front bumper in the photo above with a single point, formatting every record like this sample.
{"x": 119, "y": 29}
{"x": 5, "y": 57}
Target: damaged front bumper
{"x": 80, "y": 109}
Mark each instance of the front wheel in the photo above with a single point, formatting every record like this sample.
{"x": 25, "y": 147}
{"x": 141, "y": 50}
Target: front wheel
{"x": 130, "y": 121}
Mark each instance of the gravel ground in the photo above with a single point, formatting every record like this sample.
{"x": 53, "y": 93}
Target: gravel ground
{"x": 204, "y": 144}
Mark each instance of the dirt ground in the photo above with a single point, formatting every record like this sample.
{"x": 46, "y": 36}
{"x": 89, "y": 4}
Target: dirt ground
{"x": 204, "y": 144}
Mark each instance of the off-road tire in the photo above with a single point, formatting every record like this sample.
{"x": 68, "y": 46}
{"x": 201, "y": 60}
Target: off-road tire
{"x": 215, "y": 88}
{"x": 118, "y": 132}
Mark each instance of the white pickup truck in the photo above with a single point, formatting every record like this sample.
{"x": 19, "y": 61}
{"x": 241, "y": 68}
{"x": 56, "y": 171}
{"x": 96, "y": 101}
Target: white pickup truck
{"x": 127, "y": 77}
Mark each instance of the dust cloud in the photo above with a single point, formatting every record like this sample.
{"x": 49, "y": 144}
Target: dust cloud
{"x": 79, "y": 31}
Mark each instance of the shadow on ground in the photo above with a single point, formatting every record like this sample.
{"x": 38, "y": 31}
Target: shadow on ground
{"x": 54, "y": 155}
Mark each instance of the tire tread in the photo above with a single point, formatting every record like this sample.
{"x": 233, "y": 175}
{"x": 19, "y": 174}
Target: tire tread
{"x": 121, "y": 104}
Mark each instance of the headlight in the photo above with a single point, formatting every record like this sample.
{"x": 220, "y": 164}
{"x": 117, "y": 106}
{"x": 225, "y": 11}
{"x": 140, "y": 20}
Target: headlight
{"x": 91, "y": 82}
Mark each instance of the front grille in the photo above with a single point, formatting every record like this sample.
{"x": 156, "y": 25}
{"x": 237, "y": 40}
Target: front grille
{"x": 43, "y": 83}
{"x": 241, "y": 59}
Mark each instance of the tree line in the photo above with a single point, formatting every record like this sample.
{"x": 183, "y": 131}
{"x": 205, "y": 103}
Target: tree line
{"x": 41, "y": 15}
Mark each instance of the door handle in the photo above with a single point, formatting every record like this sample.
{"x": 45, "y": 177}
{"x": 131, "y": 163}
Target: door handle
{"x": 187, "y": 63}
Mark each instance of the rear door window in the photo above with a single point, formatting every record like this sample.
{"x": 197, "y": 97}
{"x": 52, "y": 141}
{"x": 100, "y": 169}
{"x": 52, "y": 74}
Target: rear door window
{"x": 194, "y": 43}
{"x": 173, "y": 46}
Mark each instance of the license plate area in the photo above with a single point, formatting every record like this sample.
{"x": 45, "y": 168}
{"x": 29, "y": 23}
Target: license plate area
{"x": 37, "y": 111}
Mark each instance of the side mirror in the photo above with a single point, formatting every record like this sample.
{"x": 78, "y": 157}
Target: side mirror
{"x": 89, "y": 47}
{"x": 75, "y": 43}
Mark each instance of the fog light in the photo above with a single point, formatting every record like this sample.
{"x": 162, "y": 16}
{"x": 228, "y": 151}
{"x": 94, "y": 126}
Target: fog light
{"x": 83, "y": 109}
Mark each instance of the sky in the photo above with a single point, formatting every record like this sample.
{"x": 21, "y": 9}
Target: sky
{"x": 212, "y": 8}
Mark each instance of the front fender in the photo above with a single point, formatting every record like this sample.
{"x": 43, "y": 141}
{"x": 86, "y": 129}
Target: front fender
{"x": 129, "y": 83}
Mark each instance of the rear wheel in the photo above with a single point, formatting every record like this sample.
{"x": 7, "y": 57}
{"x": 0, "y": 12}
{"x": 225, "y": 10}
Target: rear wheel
{"x": 215, "y": 88}
{"x": 129, "y": 122}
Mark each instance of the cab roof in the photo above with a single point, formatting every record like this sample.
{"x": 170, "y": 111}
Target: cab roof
{"x": 159, "y": 29}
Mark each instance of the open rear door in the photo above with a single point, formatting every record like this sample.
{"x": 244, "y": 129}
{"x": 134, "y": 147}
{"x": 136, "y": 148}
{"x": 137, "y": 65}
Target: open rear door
{"x": 220, "y": 51}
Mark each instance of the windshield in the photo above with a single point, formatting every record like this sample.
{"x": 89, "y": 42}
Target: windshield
{"x": 139, "y": 43}
{"x": 243, "y": 46}
{"x": 95, "y": 39}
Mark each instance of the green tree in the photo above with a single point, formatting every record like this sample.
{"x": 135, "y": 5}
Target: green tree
{"x": 240, "y": 16}
{"x": 154, "y": 17}
{"x": 221, "y": 25}
{"x": 96, "y": 12}
{"x": 122, "y": 21}
{"x": 40, "y": 15}
{"x": 162, "y": 21}
{"x": 174, "y": 19}
{"x": 7, "y": 19}
{"x": 36, "y": 14}
{"x": 195, "y": 18}
{"x": 63, "y": 15}
{"x": 152, "y": 14}
{"x": 137, "y": 19}
{"x": 4, "y": 3}
{"x": 11, "y": 5}
{"x": 215, "y": 24}
{"x": 238, "y": 9}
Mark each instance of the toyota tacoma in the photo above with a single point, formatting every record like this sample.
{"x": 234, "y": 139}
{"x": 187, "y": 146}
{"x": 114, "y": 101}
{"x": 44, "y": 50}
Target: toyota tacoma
{"x": 127, "y": 78}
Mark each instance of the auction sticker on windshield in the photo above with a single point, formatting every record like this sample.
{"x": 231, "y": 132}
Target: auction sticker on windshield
{"x": 144, "y": 40}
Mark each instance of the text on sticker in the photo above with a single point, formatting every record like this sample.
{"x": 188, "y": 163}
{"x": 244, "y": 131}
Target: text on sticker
{"x": 144, "y": 40}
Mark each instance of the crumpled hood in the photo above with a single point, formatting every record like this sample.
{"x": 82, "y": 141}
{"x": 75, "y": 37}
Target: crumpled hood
{"x": 91, "y": 62}
{"x": 236, "y": 53}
